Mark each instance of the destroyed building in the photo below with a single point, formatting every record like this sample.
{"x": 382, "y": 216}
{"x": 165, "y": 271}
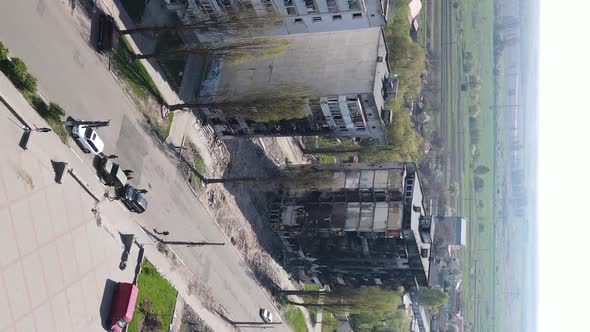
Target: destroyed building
{"x": 367, "y": 226}
{"x": 345, "y": 72}
{"x": 299, "y": 16}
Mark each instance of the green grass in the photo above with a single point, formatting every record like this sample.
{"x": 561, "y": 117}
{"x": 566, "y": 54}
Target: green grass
{"x": 172, "y": 67}
{"x": 199, "y": 166}
{"x": 326, "y": 159}
{"x": 329, "y": 322}
{"x": 153, "y": 287}
{"x": 295, "y": 319}
{"x": 164, "y": 131}
{"x": 422, "y": 30}
{"x": 134, "y": 9}
{"x": 479, "y": 283}
{"x": 59, "y": 129}
{"x": 134, "y": 72}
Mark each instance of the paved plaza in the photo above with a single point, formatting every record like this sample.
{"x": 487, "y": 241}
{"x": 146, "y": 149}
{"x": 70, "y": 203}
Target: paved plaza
{"x": 55, "y": 260}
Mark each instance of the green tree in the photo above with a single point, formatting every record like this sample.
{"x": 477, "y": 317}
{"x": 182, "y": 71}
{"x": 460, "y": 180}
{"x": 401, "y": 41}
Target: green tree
{"x": 478, "y": 183}
{"x": 481, "y": 169}
{"x": 267, "y": 105}
{"x": 432, "y": 297}
{"x": 3, "y": 52}
{"x": 366, "y": 299}
{"x": 454, "y": 188}
{"x": 235, "y": 51}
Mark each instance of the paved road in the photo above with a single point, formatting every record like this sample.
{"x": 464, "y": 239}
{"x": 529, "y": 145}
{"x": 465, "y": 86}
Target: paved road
{"x": 49, "y": 39}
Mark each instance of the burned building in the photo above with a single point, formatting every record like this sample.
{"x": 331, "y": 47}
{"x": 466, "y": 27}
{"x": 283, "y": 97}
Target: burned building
{"x": 345, "y": 72}
{"x": 367, "y": 226}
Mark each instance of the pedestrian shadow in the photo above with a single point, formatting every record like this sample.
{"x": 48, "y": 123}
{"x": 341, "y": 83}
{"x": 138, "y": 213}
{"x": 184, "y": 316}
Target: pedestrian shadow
{"x": 110, "y": 287}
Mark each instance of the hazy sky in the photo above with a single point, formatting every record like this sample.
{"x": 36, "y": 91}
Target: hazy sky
{"x": 564, "y": 166}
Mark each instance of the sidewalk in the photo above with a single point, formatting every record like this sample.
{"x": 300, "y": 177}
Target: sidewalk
{"x": 57, "y": 268}
{"x": 27, "y": 178}
{"x": 138, "y": 43}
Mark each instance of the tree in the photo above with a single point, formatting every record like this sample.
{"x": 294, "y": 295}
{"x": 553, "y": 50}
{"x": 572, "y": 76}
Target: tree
{"x": 3, "y": 52}
{"x": 366, "y": 299}
{"x": 452, "y": 328}
{"x": 478, "y": 184}
{"x": 267, "y": 105}
{"x": 454, "y": 188}
{"x": 432, "y": 297}
{"x": 234, "y": 23}
{"x": 481, "y": 169}
{"x": 290, "y": 178}
{"x": 235, "y": 51}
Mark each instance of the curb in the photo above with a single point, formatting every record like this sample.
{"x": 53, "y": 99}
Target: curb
{"x": 85, "y": 186}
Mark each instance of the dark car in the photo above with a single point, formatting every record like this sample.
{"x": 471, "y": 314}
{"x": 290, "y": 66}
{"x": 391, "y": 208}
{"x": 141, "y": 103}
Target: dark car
{"x": 106, "y": 30}
{"x": 111, "y": 173}
{"x": 132, "y": 199}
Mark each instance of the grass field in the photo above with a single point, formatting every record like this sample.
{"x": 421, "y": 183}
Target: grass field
{"x": 471, "y": 29}
{"x": 295, "y": 318}
{"x": 134, "y": 72}
{"x": 161, "y": 295}
{"x": 476, "y": 25}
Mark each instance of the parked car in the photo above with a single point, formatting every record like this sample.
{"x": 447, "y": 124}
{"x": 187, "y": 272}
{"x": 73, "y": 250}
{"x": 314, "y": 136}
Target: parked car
{"x": 132, "y": 199}
{"x": 122, "y": 306}
{"x": 266, "y": 315}
{"x": 88, "y": 138}
{"x": 111, "y": 173}
{"x": 106, "y": 31}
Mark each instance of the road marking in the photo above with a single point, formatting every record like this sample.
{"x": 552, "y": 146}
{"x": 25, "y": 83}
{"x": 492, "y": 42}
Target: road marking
{"x": 77, "y": 155}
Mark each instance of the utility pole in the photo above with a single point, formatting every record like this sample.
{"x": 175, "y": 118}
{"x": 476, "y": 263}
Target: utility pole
{"x": 89, "y": 124}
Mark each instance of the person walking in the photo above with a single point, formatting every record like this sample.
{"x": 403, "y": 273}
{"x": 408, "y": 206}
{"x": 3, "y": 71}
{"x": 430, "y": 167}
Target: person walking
{"x": 142, "y": 191}
{"x": 161, "y": 233}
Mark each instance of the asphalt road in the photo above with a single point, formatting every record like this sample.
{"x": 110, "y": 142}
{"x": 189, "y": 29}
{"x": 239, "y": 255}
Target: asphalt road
{"x": 54, "y": 46}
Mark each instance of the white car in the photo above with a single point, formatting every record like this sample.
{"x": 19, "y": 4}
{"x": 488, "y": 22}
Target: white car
{"x": 266, "y": 315}
{"x": 88, "y": 138}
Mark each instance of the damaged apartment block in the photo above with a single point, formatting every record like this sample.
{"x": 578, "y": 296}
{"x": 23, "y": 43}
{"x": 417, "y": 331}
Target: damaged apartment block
{"x": 367, "y": 226}
{"x": 345, "y": 72}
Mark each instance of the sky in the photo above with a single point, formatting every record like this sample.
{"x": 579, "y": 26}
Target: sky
{"x": 563, "y": 166}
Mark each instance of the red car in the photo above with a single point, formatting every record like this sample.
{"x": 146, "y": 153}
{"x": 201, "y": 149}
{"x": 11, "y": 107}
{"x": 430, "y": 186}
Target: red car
{"x": 123, "y": 306}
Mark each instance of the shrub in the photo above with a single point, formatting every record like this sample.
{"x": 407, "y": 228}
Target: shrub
{"x": 55, "y": 111}
{"x": 481, "y": 169}
{"x": 20, "y": 77}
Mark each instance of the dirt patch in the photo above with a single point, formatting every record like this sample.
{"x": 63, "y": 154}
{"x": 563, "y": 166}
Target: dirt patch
{"x": 241, "y": 210}
{"x": 191, "y": 322}
{"x": 25, "y": 178}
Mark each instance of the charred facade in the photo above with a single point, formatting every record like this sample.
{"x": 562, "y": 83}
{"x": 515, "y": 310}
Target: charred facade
{"x": 367, "y": 227}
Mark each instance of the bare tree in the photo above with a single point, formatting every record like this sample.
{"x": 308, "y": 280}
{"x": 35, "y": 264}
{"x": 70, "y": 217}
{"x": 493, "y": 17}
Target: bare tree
{"x": 291, "y": 178}
{"x": 235, "y": 51}
{"x": 265, "y": 105}
{"x": 235, "y": 24}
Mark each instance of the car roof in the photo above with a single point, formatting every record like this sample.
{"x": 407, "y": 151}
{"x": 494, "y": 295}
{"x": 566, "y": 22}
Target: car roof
{"x": 97, "y": 140}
